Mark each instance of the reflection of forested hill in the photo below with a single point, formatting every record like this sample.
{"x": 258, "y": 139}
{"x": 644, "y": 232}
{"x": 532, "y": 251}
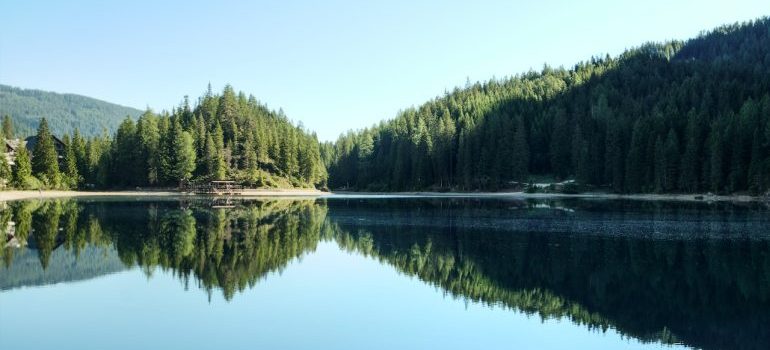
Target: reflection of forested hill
{"x": 227, "y": 249}
{"x": 706, "y": 292}
{"x": 26, "y": 270}
{"x": 669, "y": 272}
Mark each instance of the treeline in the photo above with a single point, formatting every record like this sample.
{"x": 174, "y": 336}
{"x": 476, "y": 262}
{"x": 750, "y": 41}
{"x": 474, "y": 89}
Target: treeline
{"x": 673, "y": 117}
{"x": 227, "y": 136}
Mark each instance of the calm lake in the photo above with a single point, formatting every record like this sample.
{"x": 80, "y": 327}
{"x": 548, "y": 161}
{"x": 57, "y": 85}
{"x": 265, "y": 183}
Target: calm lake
{"x": 383, "y": 273}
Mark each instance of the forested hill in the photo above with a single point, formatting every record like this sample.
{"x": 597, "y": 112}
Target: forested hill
{"x": 65, "y": 112}
{"x": 679, "y": 116}
{"x": 222, "y": 136}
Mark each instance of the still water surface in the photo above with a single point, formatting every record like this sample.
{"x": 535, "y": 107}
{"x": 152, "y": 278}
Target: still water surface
{"x": 383, "y": 273}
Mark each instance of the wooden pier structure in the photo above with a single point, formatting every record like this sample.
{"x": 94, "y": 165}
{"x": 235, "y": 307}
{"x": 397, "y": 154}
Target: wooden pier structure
{"x": 218, "y": 188}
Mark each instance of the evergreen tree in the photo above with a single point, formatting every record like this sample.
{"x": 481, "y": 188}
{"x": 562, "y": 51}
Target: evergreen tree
{"x": 671, "y": 162}
{"x": 755, "y": 175}
{"x": 5, "y": 168}
{"x": 22, "y": 171}
{"x": 691, "y": 159}
{"x": 128, "y": 167}
{"x": 181, "y": 157}
{"x": 614, "y": 157}
{"x": 716, "y": 161}
{"x": 148, "y": 134}
{"x": 520, "y": 168}
{"x": 560, "y": 144}
{"x": 70, "y": 164}
{"x": 45, "y": 160}
{"x": 6, "y": 175}
{"x": 8, "y": 127}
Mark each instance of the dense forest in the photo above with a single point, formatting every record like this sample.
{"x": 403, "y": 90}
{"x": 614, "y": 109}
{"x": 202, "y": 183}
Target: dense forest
{"x": 689, "y": 116}
{"x": 225, "y": 136}
{"x": 685, "y": 117}
{"x": 65, "y": 112}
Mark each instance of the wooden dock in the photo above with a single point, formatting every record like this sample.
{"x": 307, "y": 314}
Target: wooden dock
{"x": 218, "y": 188}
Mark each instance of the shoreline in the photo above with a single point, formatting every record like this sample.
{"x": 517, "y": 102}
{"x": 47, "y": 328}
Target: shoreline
{"x": 24, "y": 195}
{"x": 692, "y": 197}
{"x": 251, "y": 193}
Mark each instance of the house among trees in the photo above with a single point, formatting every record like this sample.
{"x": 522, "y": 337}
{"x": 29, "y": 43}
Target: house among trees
{"x": 10, "y": 150}
{"x": 31, "y": 142}
{"x": 12, "y": 146}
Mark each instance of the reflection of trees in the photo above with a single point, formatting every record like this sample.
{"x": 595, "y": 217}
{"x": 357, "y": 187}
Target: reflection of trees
{"x": 707, "y": 292}
{"x": 704, "y": 291}
{"x": 229, "y": 249}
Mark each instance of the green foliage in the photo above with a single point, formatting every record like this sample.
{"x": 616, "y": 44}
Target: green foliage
{"x": 8, "y": 127}
{"x": 22, "y": 171}
{"x": 45, "y": 159}
{"x": 669, "y": 117}
{"x": 228, "y": 136}
{"x": 65, "y": 112}
{"x": 71, "y": 177}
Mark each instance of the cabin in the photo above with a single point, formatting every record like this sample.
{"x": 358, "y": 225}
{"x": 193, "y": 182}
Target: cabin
{"x": 58, "y": 144}
{"x": 12, "y": 146}
{"x": 10, "y": 150}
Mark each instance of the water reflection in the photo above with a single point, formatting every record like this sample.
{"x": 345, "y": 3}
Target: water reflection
{"x": 691, "y": 273}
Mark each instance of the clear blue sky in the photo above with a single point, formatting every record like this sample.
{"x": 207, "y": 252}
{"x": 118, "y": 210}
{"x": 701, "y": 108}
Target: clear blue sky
{"x": 334, "y": 65}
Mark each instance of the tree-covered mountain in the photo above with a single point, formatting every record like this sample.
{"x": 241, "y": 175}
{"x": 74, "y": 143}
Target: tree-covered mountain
{"x": 223, "y": 136}
{"x": 227, "y": 136}
{"x": 690, "y": 116}
{"x": 65, "y": 112}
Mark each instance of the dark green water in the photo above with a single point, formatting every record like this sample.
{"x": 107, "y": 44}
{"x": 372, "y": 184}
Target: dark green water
{"x": 352, "y": 272}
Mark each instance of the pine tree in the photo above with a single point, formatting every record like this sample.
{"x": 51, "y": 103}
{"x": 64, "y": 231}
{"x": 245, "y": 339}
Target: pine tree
{"x": 716, "y": 161}
{"x": 45, "y": 160}
{"x": 634, "y": 160}
{"x": 8, "y": 127}
{"x": 614, "y": 157}
{"x": 755, "y": 174}
{"x": 79, "y": 146}
{"x": 181, "y": 158}
{"x": 128, "y": 167}
{"x": 520, "y": 168}
{"x": 22, "y": 171}
{"x": 560, "y": 144}
{"x": 579, "y": 154}
{"x": 5, "y": 169}
{"x": 6, "y": 175}
{"x": 219, "y": 166}
{"x": 70, "y": 164}
{"x": 148, "y": 138}
{"x": 691, "y": 159}
{"x": 671, "y": 159}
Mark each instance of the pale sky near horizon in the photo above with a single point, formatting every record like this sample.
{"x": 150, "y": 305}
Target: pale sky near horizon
{"x": 333, "y": 65}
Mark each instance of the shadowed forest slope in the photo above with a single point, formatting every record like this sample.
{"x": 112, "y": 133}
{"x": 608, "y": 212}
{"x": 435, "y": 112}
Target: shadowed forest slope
{"x": 664, "y": 117}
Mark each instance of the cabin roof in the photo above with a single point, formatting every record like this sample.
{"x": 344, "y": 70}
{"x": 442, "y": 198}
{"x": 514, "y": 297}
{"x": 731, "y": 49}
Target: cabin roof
{"x": 12, "y": 145}
{"x": 31, "y": 142}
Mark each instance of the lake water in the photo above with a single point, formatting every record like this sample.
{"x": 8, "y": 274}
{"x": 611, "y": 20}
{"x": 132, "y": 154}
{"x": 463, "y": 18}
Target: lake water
{"x": 384, "y": 273}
